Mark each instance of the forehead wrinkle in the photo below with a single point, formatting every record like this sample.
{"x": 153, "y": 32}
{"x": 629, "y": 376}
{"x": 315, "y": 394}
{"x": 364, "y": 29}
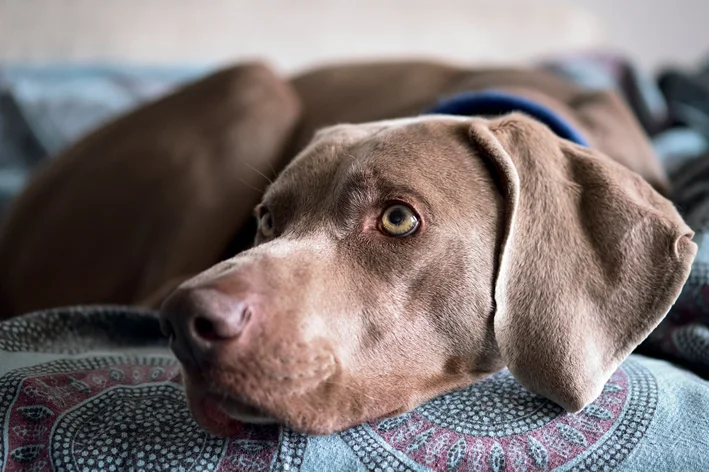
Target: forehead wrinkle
{"x": 303, "y": 178}
{"x": 351, "y": 186}
{"x": 307, "y": 190}
{"x": 372, "y": 164}
{"x": 365, "y": 185}
{"x": 392, "y": 166}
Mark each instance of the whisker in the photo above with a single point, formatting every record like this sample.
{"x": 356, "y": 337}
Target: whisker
{"x": 258, "y": 172}
{"x": 275, "y": 174}
{"x": 260, "y": 191}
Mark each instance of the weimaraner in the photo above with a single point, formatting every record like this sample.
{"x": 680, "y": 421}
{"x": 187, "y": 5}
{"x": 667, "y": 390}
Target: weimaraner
{"x": 397, "y": 255}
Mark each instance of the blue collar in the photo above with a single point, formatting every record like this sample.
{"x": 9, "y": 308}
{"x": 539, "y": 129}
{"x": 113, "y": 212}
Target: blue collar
{"x": 493, "y": 103}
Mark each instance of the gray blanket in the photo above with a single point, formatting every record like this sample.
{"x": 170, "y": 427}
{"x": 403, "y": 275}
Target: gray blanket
{"x": 96, "y": 389}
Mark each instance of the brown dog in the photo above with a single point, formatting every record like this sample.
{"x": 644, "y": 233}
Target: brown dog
{"x": 394, "y": 260}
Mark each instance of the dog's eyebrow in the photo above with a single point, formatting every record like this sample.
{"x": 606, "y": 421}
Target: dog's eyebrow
{"x": 365, "y": 188}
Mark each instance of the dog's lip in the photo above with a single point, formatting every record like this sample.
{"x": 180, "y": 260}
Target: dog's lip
{"x": 215, "y": 421}
{"x": 238, "y": 410}
{"x": 226, "y": 417}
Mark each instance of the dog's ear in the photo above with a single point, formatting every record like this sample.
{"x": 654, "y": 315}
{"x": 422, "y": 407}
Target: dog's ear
{"x": 591, "y": 259}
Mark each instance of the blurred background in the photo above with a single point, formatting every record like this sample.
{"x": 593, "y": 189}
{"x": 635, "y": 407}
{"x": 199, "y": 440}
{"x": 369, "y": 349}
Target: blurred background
{"x": 293, "y": 34}
{"x": 654, "y": 33}
{"x": 69, "y": 66}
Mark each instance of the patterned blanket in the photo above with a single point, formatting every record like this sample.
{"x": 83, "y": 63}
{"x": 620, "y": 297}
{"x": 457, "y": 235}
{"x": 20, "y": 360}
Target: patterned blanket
{"x": 95, "y": 388}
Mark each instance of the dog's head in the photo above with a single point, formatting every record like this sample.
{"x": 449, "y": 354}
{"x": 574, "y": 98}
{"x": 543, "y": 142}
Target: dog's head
{"x": 399, "y": 260}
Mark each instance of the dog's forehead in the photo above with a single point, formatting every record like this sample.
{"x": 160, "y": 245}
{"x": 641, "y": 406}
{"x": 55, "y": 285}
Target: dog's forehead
{"x": 429, "y": 156}
{"x": 352, "y": 133}
{"x": 378, "y": 144}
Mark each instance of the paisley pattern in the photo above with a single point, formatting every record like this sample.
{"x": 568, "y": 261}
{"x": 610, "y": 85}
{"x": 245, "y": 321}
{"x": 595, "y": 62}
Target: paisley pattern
{"x": 684, "y": 334}
{"x": 114, "y": 413}
{"x": 497, "y": 407}
{"x": 693, "y": 342}
{"x": 89, "y": 411}
{"x": 497, "y": 425}
{"x": 73, "y": 330}
{"x": 122, "y": 413}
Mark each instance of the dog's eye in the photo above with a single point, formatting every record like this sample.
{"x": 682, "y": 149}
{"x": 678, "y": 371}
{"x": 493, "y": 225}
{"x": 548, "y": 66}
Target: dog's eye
{"x": 399, "y": 221}
{"x": 266, "y": 224}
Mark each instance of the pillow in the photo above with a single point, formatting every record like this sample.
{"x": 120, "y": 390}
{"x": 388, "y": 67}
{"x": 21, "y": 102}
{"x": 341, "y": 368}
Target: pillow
{"x": 96, "y": 388}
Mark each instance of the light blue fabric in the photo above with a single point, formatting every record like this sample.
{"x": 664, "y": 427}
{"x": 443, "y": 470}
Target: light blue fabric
{"x": 99, "y": 384}
{"x": 62, "y": 103}
{"x": 679, "y": 146}
{"x": 585, "y": 72}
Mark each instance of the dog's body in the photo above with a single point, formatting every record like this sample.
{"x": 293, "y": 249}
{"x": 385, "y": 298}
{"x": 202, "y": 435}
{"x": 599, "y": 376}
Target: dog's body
{"x": 116, "y": 203}
{"x": 334, "y": 317}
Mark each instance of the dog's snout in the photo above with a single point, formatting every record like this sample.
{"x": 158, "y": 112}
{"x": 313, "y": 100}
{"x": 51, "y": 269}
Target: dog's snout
{"x": 196, "y": 319}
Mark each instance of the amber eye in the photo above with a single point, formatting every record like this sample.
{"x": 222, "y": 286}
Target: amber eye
{"x": 266, "y": 224}
{"x": 398, "y": 221}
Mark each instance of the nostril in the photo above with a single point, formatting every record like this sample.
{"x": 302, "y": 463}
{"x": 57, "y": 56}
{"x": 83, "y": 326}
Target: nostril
{"x": 221, "y": 324}
{"x": 205, "y": 329}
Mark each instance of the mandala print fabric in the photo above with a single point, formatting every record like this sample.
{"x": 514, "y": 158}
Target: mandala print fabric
{"x": 95, "y": 389}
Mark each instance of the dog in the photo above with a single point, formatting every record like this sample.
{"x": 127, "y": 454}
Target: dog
{"x": 397, "y": 256}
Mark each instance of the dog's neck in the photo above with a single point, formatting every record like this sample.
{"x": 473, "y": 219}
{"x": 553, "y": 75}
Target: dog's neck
{"x": 496, "y": 103}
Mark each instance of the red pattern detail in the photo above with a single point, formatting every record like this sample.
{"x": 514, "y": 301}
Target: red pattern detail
{"x": 436, "y": 445}
{"x": 249, "y": 449}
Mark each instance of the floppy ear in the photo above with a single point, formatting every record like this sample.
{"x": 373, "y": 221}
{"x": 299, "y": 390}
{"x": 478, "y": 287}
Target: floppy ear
{"x": 591, "y": 259}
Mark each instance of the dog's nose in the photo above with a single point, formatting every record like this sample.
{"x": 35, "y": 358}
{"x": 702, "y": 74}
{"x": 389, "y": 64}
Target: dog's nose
{"x": 196, "y": 319}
